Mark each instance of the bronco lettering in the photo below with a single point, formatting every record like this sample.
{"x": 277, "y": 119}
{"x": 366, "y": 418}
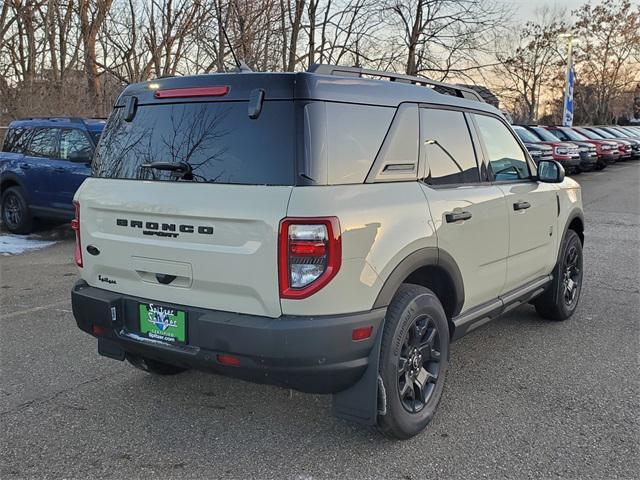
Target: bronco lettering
{"x": 164, "y": 229}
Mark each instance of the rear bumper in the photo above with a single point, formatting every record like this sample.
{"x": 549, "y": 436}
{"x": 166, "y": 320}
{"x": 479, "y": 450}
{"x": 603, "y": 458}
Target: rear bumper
{"x": 310, "y": 354}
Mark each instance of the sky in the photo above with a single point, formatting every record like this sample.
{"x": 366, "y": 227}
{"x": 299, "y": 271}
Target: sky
{"x": 525, "y": 9}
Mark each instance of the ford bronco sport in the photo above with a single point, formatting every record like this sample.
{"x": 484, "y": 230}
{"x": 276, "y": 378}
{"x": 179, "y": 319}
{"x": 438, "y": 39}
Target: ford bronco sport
{"x": 329, "y": 231}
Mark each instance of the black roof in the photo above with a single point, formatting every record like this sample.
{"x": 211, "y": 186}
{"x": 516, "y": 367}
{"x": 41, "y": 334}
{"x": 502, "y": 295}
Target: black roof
{"x": 315, "y": 85}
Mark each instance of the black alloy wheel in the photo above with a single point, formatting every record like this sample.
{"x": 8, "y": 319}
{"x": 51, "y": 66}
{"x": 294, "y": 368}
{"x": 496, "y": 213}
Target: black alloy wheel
{"x": 572, "y": 276}
{"x": 12, "y": 213}
{"x": 419, "y": 364}
{"x": 15, "y": 211}
{"x": 560, "y": 300}
{"x": 414, "y": 356}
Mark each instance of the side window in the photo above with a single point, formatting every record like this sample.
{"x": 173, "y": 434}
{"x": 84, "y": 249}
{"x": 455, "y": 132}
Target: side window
{"x": 16, "y": 140}
{"x": 43, "y": 143}
{"x": 507, "y": 160}
{"x": 74, "y": 144}
{"x": 448, "y": 148}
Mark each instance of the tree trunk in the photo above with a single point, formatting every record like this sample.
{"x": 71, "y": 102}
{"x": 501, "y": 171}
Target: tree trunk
{"x": 295, "y": 32}
{"x": 89, "y": 28}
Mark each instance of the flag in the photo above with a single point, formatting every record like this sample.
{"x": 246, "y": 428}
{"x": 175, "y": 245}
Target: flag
{"x": 567, "y": 115}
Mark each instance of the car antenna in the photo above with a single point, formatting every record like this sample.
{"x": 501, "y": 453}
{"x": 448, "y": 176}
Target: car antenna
{"x": 241, "y": 66}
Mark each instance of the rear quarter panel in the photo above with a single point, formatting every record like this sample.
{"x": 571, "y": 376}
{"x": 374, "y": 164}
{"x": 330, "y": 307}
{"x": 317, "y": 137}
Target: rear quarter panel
{"x": 381, "y": 224}
{"x": 570, "y": 196}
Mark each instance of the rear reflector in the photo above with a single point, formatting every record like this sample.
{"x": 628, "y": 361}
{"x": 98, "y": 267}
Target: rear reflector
{"x": 219, "y": 91}
{"x": 361, "y": 333}
{"x": 99, "y": 330}
{"x": 228, "y": 360}
{"x": 75, "y": 226}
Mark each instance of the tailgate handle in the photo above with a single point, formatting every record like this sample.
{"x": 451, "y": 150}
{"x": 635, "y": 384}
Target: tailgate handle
{"x": 165, "y": 278}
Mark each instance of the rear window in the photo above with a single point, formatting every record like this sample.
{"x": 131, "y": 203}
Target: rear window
{"x": 217, "y": 139}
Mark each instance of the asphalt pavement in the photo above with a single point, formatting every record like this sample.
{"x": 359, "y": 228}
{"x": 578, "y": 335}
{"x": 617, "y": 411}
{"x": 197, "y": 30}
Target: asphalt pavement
{"x": 525, "y": 398}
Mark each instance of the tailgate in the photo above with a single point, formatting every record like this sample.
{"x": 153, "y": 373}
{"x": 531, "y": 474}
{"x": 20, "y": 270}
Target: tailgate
{"x": 204, "y": 245}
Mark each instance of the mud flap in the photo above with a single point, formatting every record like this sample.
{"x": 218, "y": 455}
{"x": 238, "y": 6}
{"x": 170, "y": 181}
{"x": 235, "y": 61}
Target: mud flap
{"x": 359, "y": 403}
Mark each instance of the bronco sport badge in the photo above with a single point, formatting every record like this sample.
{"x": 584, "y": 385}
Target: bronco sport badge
{"x": 164, "y": 229}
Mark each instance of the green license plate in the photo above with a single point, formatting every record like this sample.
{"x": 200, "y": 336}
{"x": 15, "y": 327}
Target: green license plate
{"x": 163, "y": 323}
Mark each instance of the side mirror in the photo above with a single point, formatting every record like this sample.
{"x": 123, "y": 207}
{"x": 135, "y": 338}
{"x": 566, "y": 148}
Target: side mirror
{"x": 550, "y": 171}
{"x": 81, "y": 156}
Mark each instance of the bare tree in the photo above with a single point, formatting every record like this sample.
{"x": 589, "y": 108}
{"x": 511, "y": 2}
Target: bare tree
{"x": 92, "y": 15}
{"x": 444, "y": 37}
{"x": 609, "y": 40}
{"x": 528, "y": 62}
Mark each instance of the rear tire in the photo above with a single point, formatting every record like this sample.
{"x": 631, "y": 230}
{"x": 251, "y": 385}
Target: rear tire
{"x": 154, "y": 367}
{"x": 559, "y": 302}
{"x": 413, "y": 361}
{"x": 15, "y": 211}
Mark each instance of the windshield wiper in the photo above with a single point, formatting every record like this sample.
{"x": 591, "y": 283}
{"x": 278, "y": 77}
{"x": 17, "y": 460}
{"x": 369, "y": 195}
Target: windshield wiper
{"x": 183, "y": 169}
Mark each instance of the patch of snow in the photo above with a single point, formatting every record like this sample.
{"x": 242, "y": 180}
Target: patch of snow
{"x": 17, "y": 244}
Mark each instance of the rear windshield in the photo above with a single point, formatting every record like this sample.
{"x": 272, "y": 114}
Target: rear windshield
{"x": 217, "y": 139}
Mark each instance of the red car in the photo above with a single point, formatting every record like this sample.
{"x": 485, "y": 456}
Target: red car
{"x": 568, "y": 154}
{"x": 607, "y": 150}
{"x": 624, "y": 148}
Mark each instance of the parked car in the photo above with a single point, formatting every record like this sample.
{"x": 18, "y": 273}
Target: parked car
{"x": 634, "y": 130}
{"x": 537, "y": 150}
{"x": 324, "y": 235}
{"x": 42, "y": 164}
{"x": 622, "y": 135}
{"x": 631, "y": 132}
{"x": 624, "y": 147}
{"x": 567, "y": 153}
{"x": 606, "y": 151}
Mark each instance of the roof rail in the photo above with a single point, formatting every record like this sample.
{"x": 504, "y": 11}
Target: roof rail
{"x": 61, "y": 118}
{"x": 440, "y": 87}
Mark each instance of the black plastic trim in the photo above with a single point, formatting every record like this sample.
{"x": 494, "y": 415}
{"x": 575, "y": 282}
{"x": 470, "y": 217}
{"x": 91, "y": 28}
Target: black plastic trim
{"x": 429, "y": 256}
{"x": 478, "y": 316}
{"x": 310, "y": 354}
{"x": 54, "y": 213}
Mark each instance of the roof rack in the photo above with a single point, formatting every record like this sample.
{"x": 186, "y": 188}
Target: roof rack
{"x": 62, "y": 118}
{"x": 440, "y": 87}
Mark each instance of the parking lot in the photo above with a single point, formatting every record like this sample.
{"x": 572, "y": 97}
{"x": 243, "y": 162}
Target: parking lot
{"x": 525, "y": 398}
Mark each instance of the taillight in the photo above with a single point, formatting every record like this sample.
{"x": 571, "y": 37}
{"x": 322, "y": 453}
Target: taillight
{"x": 75, "y": 225}
{"x": 309, "y": 255}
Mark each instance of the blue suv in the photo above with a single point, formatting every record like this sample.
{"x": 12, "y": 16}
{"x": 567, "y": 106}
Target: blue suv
{"x": 42, "y": 164}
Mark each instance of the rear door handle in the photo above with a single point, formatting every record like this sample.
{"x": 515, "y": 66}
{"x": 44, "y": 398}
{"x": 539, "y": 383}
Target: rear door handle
{"x": 59, "y": 169}
{"x": 457, "y": 216}
{"x": 521, "y": 205}
{"x": 26, "y": 166}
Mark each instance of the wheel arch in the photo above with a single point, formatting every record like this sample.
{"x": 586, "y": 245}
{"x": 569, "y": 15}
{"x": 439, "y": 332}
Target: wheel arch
{"x": 575, "y": 222}
{"x": 9, "y": 180}
{"x": 432, "y": 268}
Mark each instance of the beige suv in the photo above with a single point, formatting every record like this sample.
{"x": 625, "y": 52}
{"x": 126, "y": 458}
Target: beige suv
{"x": 329, "y": 231}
